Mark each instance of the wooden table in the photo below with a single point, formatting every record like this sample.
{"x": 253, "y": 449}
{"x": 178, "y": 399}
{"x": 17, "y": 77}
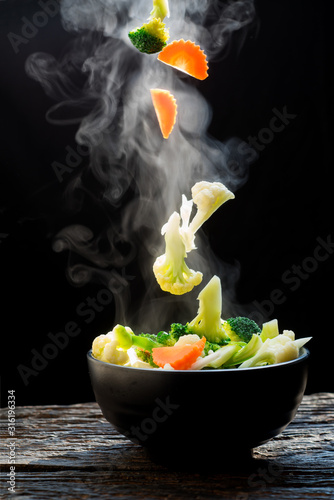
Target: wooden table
{"x": 71, "y": 452}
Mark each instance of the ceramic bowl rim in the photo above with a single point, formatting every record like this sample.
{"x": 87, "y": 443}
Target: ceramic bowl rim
{"x": 303, "y": 356}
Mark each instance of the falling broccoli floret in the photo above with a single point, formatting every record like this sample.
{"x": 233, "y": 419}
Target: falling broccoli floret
{"x": 240, "y": 328}
{"x": 152, "y": 36}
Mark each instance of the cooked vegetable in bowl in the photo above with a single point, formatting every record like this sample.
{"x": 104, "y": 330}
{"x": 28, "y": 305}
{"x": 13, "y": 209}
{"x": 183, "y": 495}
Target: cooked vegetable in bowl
{"x": 206, "y": 342}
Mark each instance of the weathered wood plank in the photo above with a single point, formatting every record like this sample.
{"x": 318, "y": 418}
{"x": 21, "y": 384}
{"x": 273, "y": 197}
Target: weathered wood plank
{"x": 72, "y": 452}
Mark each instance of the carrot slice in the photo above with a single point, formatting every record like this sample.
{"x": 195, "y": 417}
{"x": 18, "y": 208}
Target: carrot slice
{"x": 187, "y": 57}
{"x": 179, "y": 357}
{"x": 166, "y": 109}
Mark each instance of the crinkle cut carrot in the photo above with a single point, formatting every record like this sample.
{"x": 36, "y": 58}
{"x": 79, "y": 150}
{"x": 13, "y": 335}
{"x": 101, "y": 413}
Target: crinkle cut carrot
{"x": 187, "y": 57}
{"x": 179, "y": 357}
{"x": 166, "y": 109}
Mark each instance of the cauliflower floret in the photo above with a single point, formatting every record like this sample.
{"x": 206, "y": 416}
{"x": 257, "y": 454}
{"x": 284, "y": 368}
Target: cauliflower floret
{"x": 167, "y": 366}
{"x": 289, "y": 333}
{"x": 170, "y": 269}
{"x": 105, "y": 348}
{"x": 217, "y": 358}
{"x": 282, "y": 347}
{"x": 187, "y": 234}
{"x": 276, "y": 350}
{"x": 189, "y": 339}
{"x": 208, "y": 196}
{"x": 208, "y": 322}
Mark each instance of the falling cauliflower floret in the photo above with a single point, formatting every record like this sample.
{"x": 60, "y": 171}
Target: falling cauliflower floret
{"x": 208, "y": 196}
{"x": 170, "y": 269}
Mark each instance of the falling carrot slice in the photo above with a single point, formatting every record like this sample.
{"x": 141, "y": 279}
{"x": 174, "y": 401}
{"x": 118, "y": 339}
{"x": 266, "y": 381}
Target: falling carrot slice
{"x": 187, "y": 57}
{"x": 179, "y": 357}
{"x": 165, "y": 107}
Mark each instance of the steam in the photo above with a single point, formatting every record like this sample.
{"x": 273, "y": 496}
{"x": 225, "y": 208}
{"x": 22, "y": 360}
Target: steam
{"x": 134, "y": 176}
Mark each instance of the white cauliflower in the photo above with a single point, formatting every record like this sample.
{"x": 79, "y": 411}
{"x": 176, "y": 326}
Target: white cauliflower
{"x": 275, "y": 350}
{"x": 208, "y": 196}
{"x": 106, "y": 348}
{"x": 170, "y": 269}
{"x": 188, "y": 339}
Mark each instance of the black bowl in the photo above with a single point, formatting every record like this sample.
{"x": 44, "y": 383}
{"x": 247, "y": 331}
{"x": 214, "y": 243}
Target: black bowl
{"x": 197, "y": 415}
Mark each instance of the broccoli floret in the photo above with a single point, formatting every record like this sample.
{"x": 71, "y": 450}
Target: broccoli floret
{"x": 210, "y": 346}
{"x": 170, "y": 269}
{"x": 241, "y": 328}
{"x": 152, "y": 36}
{"x": 165, "y": 339}
{"x": 208, "y": 321}
{"x": 126, "y": 339}
{"x": 146, "y": 357}
{"x": 177, "y": 330}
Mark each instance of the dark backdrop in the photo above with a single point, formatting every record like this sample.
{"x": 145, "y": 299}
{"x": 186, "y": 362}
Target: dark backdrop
{"x": 279, "y": 228}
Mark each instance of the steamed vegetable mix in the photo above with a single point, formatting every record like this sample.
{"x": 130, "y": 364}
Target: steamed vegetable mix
{"x": 170, "y": 268}
{"x": 186, "y": 57}
{"x": 180, "y": 356}
{"x": 206, "y": 342}
{"x": 152, "y": 36}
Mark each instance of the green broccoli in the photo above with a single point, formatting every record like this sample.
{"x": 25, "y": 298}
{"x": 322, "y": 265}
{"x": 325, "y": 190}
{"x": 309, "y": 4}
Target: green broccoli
{"x": 126, "y": 339}
{"x": 177, "y": 330}
{"x": 152, "y": 36}
{"x": 146, "y": 357}
{"x": 208, "y": 321}
{"x": 210, "y": 346}
{"x": 241, "y": 329}
{"x": 170, "y": 338}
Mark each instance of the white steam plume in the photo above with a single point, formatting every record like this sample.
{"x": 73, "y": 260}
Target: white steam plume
{"x": 103, "y": 84}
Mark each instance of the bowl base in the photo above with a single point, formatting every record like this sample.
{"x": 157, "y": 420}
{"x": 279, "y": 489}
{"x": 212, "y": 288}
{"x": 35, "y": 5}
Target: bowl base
{"x": 198, "y": 461}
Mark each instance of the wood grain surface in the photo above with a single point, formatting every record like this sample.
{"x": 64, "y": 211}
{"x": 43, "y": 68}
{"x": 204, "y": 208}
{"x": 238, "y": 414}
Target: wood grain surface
{"x": 72, "y": 452}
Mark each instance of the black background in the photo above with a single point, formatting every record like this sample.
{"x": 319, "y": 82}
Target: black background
{"x": 273, "y": 225}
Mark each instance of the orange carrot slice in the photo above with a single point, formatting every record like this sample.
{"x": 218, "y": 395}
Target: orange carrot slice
{"x": 186, "y": 57}
{"x": 166, "y": 109}
{"x": 179, "y": 357}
